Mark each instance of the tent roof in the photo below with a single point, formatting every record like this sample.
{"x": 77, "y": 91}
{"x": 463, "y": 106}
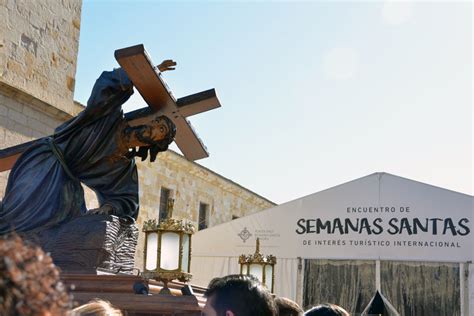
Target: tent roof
{"x": 382, "y": 199}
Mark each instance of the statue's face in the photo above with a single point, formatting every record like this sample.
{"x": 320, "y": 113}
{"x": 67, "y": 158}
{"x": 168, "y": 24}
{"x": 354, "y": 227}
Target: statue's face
{"x": 153, "y": 131}
{"x": 157, "y": 130}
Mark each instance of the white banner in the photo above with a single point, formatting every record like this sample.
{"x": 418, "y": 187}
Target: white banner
{"x": 380, "y": 216}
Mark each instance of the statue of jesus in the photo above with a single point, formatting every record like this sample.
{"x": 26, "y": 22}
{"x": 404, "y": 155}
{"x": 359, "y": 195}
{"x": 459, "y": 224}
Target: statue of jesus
{"x": 96, "y": 148}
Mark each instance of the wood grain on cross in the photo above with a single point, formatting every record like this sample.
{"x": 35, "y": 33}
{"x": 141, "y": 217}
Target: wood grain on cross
{"x": 154, "y": 90}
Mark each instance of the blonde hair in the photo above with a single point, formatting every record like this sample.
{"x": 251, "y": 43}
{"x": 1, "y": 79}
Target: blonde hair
{"x": 96, "y": 307}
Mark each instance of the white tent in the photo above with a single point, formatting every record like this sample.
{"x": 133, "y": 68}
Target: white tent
{"x": 377, "y": 217}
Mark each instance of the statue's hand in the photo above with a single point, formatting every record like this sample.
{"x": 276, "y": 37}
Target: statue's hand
{"x": 105, "y": 209}
{"x": 166, "y": 65}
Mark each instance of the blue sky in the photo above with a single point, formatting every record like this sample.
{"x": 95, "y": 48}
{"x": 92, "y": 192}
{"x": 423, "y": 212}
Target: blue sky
{"x": 313, "y": 94}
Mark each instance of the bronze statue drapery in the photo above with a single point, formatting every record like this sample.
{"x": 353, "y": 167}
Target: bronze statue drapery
{"x": 44, "y": 187}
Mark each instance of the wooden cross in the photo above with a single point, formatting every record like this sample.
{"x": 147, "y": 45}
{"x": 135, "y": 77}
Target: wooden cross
{"x": 154, "y": 90}
{"x": 149, "y": 82}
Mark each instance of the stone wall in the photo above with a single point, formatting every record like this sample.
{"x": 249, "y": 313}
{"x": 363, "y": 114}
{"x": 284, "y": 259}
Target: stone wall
{"x": 39, "y": 42}
{"x": 38, "y": 52}
{"x": 190, "y": 184}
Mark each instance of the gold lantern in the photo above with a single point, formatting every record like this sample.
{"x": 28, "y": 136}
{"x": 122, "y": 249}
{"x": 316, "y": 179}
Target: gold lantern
{"x": 168, "y": 249}
{"x": 260, "y": 266}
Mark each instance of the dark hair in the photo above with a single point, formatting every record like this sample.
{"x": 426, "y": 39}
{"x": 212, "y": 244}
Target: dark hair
{"x": 287, "y": 307}
{"x": 244, "y": 295}
{"x": 29, "y": 282}
{"x": 326, "y": 309}
{"x": 155, "y": 146}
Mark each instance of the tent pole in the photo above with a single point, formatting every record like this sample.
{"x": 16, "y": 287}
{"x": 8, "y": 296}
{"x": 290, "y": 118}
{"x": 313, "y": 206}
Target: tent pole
{"x": 300, "y": 282}
{"x": 377, "y": 275}
{"x": 464, "y": 288}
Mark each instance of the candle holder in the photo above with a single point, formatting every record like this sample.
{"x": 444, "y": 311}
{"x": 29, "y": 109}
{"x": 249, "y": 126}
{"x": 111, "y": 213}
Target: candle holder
{"x": 260, "y": 266}
{"x": 168, "y": 249}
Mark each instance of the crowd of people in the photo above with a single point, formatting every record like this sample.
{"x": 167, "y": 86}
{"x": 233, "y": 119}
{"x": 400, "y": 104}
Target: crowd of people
{"x": 30, "y": 284}
{"x": 239, "y": 295}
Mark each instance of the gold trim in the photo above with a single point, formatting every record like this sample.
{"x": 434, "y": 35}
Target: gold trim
{"x": 169, "y": 224}
{"x": 190, "y": 256}
{"x": 257, "y": 257}
{"x": 144, "y": 252}
{"x": 180, "y": 259}
{"x": 168, "y": 276}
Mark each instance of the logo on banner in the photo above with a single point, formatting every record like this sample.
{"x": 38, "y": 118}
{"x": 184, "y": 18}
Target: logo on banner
{"x": 244, "y": 234}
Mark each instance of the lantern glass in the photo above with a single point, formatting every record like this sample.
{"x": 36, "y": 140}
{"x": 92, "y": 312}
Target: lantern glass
{"x": 185, "y": 260}
{"x": 245, "y": 269}
{"x": 151, "y": 251}
{"x": 257, "y": 271}
{"x": 269, "y": 276}
{"x": 169, "y": 259}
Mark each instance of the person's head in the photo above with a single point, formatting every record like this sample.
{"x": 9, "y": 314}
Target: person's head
{"x": 96, "y": 307}
{"x": 287, "y": 307}
{"x": 154, "y": 137}
{"x": 326, "y": 309}
{"x": 238, "y": 295}
{"x": 29, "y": 281}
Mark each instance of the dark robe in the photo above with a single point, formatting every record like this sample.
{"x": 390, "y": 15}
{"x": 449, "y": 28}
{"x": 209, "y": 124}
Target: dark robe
{"x": 44, "y": 189}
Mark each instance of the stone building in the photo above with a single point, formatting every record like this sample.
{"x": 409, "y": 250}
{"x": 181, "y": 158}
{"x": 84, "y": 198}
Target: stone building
{"x": 201, "y": 195}
{"x": 38, "y": 56}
